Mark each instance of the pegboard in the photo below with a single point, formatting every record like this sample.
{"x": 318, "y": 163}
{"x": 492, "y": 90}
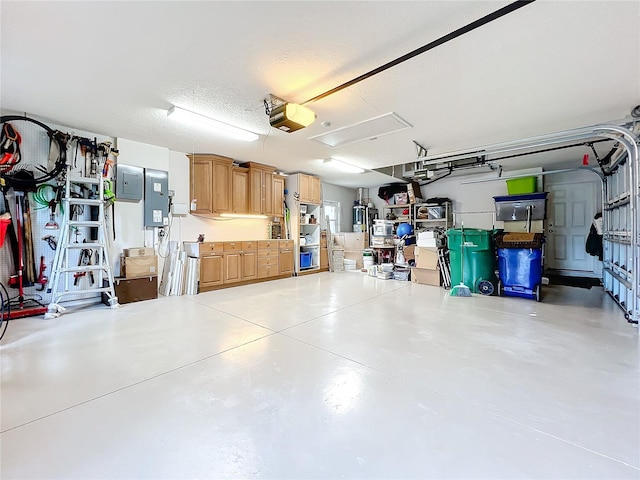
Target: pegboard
{"x": 35, "y": 152}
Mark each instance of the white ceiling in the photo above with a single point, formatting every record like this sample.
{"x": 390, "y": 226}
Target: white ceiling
{"x": 116, "y": 67}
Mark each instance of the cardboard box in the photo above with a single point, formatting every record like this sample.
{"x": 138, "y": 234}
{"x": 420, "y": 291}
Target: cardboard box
{"x": 355, "y": 241}
{"x": 426, "y": 257}
{"x": 409, "y": 253}
{"x": 134, "y": 267}
{"x": 425, "y": 276}
{"x": 427, "y": 234}
{"x": 354, "y": 255}
{"x": 401, "y": 198}
{"x": 139, "y": 252}
{"x": 429, "y": 243}
{"x": 413, "y": 191}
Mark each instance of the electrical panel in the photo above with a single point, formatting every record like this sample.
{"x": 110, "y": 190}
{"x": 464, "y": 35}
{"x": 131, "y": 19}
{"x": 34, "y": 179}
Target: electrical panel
{"x": 129, "y": 182}
{"x": 156, "y": 198}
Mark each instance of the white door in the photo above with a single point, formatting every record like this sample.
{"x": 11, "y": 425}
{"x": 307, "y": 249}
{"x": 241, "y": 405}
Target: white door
{"x": 570, "y": 211}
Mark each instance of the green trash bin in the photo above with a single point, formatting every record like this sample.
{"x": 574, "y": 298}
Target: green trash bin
{"x": 479, "y": 256}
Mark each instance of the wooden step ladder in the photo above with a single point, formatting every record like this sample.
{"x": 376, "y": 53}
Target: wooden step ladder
{"x": 66, "y": 274}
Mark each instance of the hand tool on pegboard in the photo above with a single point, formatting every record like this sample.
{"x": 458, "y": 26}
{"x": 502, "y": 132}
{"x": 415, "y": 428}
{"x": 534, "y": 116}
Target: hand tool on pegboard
{"x": 11, "y": 231}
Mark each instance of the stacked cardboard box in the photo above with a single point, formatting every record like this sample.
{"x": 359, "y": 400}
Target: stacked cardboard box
{"x": 337, "y": 259}
{"x": 429, "y": 239}
{"x": 138, "y": 262}
{"x": 426, "y": 270}
{"x": 353, "y": 244}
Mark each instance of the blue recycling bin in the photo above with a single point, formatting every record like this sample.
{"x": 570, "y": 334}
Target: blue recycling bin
{"x": 520, "y": 272}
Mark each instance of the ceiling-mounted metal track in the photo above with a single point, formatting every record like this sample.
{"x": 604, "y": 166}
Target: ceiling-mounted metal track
{"x": 529, "y": 146}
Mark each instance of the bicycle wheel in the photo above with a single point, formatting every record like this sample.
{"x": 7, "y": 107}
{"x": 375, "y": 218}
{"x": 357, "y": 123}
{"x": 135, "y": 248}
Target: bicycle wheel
{"x": 25, "y": 176}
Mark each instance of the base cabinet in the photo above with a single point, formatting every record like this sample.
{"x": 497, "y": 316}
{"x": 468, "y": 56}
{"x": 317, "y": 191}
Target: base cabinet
{"x": 236, "y": 263}
{"x": 286, "y": 263}
{"x": 211, "y": 271}
{"x": 268, "y": 253}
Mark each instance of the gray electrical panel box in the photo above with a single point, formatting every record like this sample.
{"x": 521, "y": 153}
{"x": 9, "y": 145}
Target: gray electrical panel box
{"x": 129, "y": 182}
{"x": 156, "y": 198}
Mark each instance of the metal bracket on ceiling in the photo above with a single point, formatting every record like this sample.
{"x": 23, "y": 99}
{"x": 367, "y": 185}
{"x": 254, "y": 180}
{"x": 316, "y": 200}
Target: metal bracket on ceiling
{"x": 272, "y": 101}
{"x": 420, "y": 150}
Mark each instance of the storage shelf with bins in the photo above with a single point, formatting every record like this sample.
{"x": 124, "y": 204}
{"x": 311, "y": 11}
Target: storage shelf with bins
{"x": 397, "y": 211}
{"x": 309, "y": 237}
{"x": 304, "y": 198}
{"x": 431, "y": 215}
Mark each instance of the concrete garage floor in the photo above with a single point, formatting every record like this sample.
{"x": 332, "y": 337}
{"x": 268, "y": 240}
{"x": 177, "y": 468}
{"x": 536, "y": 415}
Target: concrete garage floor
{"x": 325, "y": 376}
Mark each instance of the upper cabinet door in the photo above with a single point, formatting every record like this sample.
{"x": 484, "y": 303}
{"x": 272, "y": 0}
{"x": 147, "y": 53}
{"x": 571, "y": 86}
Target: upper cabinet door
{"x": 316, "y": 193}
{"x": 210, "y": 183}
{"x": 222, "y": 185}
{"x": 267, "y": 193}
{"x": 200, "y": 185}
{"x": 278, "y": 195}
{"x": 240, "y": 189}
{"x": 304, "y": 187}
{"x": 255, "y": 191}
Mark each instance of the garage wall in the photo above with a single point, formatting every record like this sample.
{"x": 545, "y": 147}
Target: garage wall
{"x": 346, "y": 197}
{"x": 472, "y": 202}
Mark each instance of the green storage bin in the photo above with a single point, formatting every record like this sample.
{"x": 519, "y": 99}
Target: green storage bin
{"x": 519, "y": 186}
{"x": 479, "y": 256}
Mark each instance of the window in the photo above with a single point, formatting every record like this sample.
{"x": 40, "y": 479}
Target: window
{"x": 332, "y": 211}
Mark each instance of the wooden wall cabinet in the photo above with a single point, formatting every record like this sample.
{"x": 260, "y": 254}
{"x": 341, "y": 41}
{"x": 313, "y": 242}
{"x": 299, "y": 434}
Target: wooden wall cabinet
{"x": 240, "y": 190}
{"x": 278, "y": 195}
{"x": 261, "y": 187}
{"x": 309, "y": 189}
{"x": 210, "y": 184}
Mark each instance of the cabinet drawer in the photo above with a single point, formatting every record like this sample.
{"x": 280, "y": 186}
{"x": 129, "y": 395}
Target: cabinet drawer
{"x": 269, "y": 271}
{"x": 249, "y": 246}
{"x": 232, "y": 246}
{"x": 286, "y": 244}
{"x": 266, "y": 244}
{"x": 268, "y": 261}
{"x": 270, "y": 252}
{"x": 210, "y": 247}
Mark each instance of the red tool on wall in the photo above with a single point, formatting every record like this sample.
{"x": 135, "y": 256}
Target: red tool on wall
{"x": 23, "y": 307}
{"x": 42, "y": 278}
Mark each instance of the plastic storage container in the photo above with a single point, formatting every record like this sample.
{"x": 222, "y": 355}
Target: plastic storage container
{"x": 520, "y": 271}
{"x": 479, "y": 257}
{"x": 520, "y": 207}
{"x": 519, "y": 186}
{"x": 305, "y": 259}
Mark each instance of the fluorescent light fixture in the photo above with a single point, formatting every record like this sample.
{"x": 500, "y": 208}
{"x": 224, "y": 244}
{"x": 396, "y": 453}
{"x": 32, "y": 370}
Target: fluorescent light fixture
{"x": 291, "y": 117}
{"x": 345, "y": 167}
{"x": 214, "y": 125}
{"x": 241, "y": 215}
